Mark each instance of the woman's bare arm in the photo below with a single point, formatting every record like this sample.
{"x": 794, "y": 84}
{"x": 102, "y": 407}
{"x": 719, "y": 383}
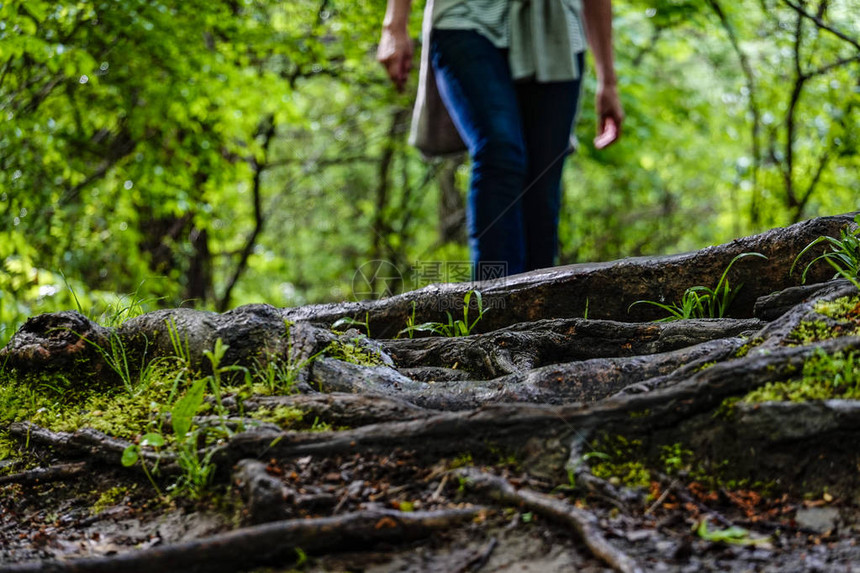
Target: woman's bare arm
{"x": 598, "y": 27}
{"x": 395, "y": 46}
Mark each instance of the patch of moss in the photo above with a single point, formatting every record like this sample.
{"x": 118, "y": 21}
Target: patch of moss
{"x": 706, "y": 365}
{"x": 812, "y": 331}
{"x": 726, "y": 409}
{"x": 745, "y": 349}
{"x": 9, "y": 449}
{"x": 283, "y": 416}
{"x": 354, "y": 353}
{"x": 675, "y": 458}
{"x": 462, "y": 461}
{"x": 846, "y": 307}
{"x": 640, "y": 413}
{"x": 109, "y": 498}
{"x": 50, "y": 401}
{"x": 824, "y": 377}
{"x": 619, "y": 461}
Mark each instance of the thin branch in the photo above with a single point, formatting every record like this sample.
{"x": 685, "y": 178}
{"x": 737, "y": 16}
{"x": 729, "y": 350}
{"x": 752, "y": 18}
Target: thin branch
{"x": 43, "y": 475}
{"x": 259, "y": 217}
{"x": 583, "y": 523}
{"x": 324, "y": 162}
{"x": 749, "y": 75}
{"x": 822, "y": 24}
{"x": 832, "y": 65}
{"x": 822, "y": 164}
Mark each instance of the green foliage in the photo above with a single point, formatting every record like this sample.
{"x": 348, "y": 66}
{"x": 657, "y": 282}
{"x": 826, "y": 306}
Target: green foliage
{"x": 459, "y": 327}
{"x": 349, "y": 321}
{"x": 732, "y": 535}
{"x": 701, "y": 301}
{"x": 170, "y": 147}
{"x": 843, "y": 256}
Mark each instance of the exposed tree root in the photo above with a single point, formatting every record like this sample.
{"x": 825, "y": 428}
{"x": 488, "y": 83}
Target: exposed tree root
{"x": 343, "y": 409}
{"x": 534, "y": 380}
{"x": 85, "y": 442}
{"x": 583, "y": 524}
{"x": 43, "y": 475}
{"x": 268, "y": 544}
{"x": 608, "y": 289}
{"x": 522, "y": 347}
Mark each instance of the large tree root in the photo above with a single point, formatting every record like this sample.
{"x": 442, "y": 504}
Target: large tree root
{"x": 458, "y": 431}
{"x": 522, "y": 347}
{"x": 585, "y": 381}
{"x": 85, "y": 442}
{"x": 268, "y": 544}
{"x": 343, "y": 409}
{"x": 606, "y": 289}
{"x": 255, "y": 331}
{"x": 583, "y": 524}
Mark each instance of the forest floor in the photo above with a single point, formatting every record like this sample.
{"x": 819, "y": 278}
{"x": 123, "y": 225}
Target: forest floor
{"x": 107, "y": 511}
{"x": 559, "y": 434}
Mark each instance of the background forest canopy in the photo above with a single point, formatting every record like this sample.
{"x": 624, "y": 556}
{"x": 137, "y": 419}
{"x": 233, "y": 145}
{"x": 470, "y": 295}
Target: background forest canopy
{"x": 219, "y": 152}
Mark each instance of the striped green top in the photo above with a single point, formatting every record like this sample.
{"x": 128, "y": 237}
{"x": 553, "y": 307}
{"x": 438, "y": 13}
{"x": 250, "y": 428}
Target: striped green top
{"x": 543, "y": 36}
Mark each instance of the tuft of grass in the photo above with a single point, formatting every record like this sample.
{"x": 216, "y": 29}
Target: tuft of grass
{"x": 702, "y": 301}
{"x": 843, "y": 256}
{"x": 278, "y": 374}
{"x": 453, "y": 327}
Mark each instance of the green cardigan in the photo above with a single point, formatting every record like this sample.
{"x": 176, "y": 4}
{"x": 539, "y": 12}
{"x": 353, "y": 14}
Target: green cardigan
{"x": 544, "y": 38}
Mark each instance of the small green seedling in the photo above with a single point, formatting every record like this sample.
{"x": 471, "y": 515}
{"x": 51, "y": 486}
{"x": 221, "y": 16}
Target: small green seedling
{"x": 844, "y": 255}
{"x": 459, "y": 327}
{"x": 702, "y": 301}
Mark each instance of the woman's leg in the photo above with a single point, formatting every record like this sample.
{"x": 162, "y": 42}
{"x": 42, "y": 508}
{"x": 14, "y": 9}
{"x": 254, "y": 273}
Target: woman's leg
{"x": 475, "y": 83}
{"x": 548, "y": 111}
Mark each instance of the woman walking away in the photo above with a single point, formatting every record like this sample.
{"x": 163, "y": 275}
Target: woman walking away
{"x": 502, "y": 79}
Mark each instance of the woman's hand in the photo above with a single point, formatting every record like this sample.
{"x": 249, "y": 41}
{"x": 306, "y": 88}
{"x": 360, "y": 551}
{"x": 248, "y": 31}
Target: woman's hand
{"x": 395, "y": 53}
{"x": 610, "y": 115}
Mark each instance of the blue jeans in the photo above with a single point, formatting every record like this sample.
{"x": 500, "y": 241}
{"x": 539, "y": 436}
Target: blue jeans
{"x": 517, "y": 134}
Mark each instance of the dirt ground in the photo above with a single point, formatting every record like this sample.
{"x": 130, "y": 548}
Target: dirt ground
{"x": 75, "y": 517}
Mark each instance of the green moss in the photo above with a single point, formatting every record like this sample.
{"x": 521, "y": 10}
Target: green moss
{"x": 9, "y": 448}
{"x": 109, "y": 498}
{"x": 824, "y": 377}
{"x": 675, "y": 458}
{"x": 839, "y": 309}
{"x": 844, "y": 311}
{"x": 812, "y": 331}
{"x": 462, "y": 461}
{"x": 705, "y": 366}
{"x": 640, "y": 413}
{"x": 284, "y": 416}
{"x": 745, "y": 349}
{"x": 50, "y": 401}
{"x": 354, "y": 353}
{"x": 619, "y": 460}
{"x": 726, "y": 409}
